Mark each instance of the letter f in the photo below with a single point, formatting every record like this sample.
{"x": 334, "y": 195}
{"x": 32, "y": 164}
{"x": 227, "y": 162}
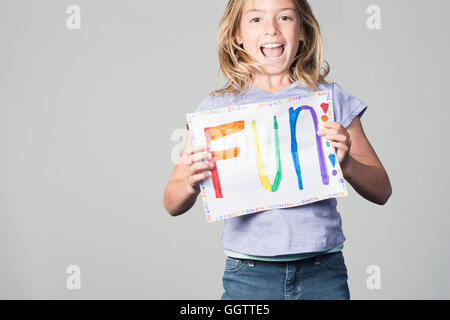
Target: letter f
{"x": 217, "y": 132}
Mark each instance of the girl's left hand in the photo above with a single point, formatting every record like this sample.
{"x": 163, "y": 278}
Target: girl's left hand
{"x": 339, "y": 138}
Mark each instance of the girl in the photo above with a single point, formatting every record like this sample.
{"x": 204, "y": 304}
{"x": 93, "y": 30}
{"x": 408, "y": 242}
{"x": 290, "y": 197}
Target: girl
{"x": 270, "y": 50}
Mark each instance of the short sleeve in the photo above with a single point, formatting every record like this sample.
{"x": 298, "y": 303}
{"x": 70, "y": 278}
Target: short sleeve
{"x": 206, "y": 104}
{"x": 346, "y": 107}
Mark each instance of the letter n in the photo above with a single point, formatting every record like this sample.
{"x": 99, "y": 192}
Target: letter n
{"x": 293, "y": 116}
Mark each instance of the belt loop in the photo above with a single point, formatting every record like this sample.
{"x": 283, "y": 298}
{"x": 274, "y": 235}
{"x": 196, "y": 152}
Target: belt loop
{"x": 317, "y": 260}
{"x": 250, "y": 263}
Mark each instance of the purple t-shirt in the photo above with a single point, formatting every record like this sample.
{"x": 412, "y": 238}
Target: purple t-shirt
{"x": 314, "y": 227}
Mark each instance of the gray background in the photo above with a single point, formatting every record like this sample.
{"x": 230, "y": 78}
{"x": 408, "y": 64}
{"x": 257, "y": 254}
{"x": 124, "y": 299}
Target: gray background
{"x": 90, "y": 120}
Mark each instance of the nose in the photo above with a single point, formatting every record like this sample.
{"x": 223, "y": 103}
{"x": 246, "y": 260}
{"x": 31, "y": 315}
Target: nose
{"x": 271, "y": 28}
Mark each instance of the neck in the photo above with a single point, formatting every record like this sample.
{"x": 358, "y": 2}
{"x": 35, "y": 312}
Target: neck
{"x": 271, "y": 83}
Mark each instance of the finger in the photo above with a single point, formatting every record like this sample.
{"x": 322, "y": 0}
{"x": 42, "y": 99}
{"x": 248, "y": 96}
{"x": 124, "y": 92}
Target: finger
{"x": 193, "y": 149}
{"x": 322, "y": 132}
{"x": 201, "y": 166}
{"x": 337, "y": 137}
{"x": 186, "y": 159}
{"x": 196, "y": 157}
{"x": 340, "y": 146}
{"x": 195, "y": 179}
{"x": 329, "y": 138}
{"x": 329, "y": 124}
{"x": 197, "y": 148}
{"x": 204, "y": 165}
{"x": 201, "y": 156}
{"x": 334, "y": 124}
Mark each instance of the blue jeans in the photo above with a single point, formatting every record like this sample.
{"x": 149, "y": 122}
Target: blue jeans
{"x": 323, "y": 277}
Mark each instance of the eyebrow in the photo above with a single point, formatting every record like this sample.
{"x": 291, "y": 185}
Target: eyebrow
{"x": 259, "y": 10}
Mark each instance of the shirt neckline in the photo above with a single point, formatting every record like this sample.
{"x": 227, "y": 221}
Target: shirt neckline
{"x": 279, "y": 91}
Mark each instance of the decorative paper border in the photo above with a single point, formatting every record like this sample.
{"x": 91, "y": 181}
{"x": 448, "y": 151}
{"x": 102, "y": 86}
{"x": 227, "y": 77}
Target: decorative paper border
{"x": 257, "y": 105}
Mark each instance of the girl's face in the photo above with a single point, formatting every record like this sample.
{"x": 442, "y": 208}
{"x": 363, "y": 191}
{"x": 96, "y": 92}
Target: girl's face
{"x": 270, "y": 32}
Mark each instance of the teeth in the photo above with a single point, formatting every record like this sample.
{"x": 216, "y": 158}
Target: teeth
{"x": 272, "y": 45}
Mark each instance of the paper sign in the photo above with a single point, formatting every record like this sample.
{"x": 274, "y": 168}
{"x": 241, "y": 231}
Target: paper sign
{"x": 267, "y": 155}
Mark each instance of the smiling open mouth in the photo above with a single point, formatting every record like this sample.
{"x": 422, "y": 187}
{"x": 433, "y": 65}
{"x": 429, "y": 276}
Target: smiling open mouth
{"x": 272, "y": 52}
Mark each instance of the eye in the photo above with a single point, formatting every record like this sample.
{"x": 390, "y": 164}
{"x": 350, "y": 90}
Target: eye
{"x": 288, "y": 18}
{"x": 254, "y": 19}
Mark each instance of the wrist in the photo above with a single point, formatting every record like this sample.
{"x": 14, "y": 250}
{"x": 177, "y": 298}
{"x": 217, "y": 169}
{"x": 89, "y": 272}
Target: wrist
{"x": 348, "y": 168}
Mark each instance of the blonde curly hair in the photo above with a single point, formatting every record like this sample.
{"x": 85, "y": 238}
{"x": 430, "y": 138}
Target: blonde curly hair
{"x": 237, "y": 66}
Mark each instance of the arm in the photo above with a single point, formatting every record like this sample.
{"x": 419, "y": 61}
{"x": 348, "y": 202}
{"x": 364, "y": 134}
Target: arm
{"x": 363, "y": 168}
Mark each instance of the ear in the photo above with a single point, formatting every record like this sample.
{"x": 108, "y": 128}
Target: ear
{"x": 238, "y": 37}
{"x": 302, "y": 34}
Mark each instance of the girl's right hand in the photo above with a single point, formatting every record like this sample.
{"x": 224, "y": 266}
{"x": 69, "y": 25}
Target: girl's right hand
{"x": 197, "y": 166}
